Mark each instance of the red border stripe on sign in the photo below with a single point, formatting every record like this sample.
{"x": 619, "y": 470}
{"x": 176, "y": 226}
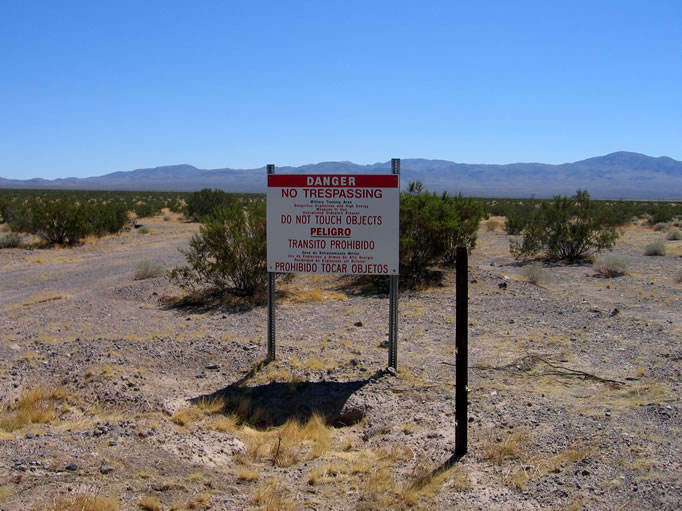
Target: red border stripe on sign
{"x": 333, "y": 180}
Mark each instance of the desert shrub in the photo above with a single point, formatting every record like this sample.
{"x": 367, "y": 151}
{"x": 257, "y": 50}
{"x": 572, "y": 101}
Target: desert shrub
{"x": 149, "y": 270}
{"x": 143, "y": 229}
{"x": 431, "y": 227}
{"x": 661, "y": 226}
{"x": 674, "y": 235}
{"x": 609, "y": 266}
{"x": 204, "y": 202}
{"x": 468, "y": 213}
{"x": 656, "y": 248}
{"x": 143, "y": 210}
{"x": 534, "y": 273}
{"x": 566, "y": 229}
{"x": 107, "y": 218}
{"x": 229, "y": 253}
{"x": 11, "y": 240}
{"x": 61, "y": 221}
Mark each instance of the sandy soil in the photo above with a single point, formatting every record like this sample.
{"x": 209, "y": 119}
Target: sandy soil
{"x": 574, "y": 387}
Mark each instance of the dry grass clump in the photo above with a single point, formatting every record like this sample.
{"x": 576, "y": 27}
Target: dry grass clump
{"x": 143, "y": 230}
{"x": 289, "y": 444}
{"x": 272, "y": 496}
{"x": 501, "y": 449}
{"x": 657, "y": 248}
{"x": 493, "y": 225}
{"x": 81, "y": 503}
{"x": 150, "y": 503}
{"x": 674, "y": 235}
{"x": 609, "y": 266}
{"x": 149, "y": 270}
{"x": 661, "y": 227}
{"x": 534, "y": 273}
{"x": 247, "y": 474}
{"x": 39, "y": 405}
{"x": 201, "y": 501}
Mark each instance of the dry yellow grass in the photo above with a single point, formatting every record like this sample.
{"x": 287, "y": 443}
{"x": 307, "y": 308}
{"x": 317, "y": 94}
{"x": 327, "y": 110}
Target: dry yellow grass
{"x": 271, "y": 495}
{"x": 246, "y": 474}
{"x": 4, "y": 493}
{"x": 290, "y": 443}
{"x": 80, "y": 503}
{"x": 150, "y": 503}
{"x": 38, "y": 405}
{"x": 509, "y": 446}
{"x": 201, "y": 501}
{"x": 187, "y": 416}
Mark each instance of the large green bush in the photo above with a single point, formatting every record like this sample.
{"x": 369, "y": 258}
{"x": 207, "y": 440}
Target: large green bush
{"x": 431, "y": 227}
{"x": 566, "y": 229}
{"x": 229, "y": 253}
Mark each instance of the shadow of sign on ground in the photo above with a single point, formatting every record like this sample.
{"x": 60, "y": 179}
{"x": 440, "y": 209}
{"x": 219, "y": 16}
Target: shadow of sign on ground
{"x": 273, "y": 404}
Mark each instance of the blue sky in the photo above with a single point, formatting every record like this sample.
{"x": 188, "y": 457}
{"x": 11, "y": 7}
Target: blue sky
{"x": 92, "y": 87}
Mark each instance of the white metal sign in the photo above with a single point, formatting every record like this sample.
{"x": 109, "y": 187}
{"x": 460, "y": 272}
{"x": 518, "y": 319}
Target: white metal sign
{"x": 333, "y": 223}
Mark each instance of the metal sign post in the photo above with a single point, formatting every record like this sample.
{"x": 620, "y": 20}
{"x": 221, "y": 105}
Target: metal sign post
{"x": 393, "y": 301}
{"x": 461, "y": 350}
{"x": 271, "y": 299}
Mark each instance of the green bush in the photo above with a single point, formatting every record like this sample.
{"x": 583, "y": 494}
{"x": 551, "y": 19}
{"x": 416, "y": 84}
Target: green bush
{"x": 431, "y": 227}
{"x": 468, "y": 213}
{"x": 204, "y": 202}
{"x": 10, "y": 241}
{"x": 62, "y": 221}
{"x": 149, "y": 270}
{"x": 609, "y": 266}
{"x": 107, "y": 218}
{"x": 566, "y": 229}
{"x": 656, "y": 248}
{"x": 229, "y": 253}
{"x": 144, "y": 210}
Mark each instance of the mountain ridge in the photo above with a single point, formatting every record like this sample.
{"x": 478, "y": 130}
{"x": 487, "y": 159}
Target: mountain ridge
{"x": 620, "y": 174}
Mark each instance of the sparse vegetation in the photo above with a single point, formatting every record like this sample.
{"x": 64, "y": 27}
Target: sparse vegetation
{"x": 149, "y": 270}
{"x": 656, "y": 248}
{"x": 150, "y": 503}
{"x": 143, "y": 229}
{"x": 535, "y": 274}
{"x": 11, "y": 240}
{"x": 609, "y": 266}
{"x": 37, "y": 405}
{"x": 229, "y": 253}
{"x": 673, "y": 235}
{"x": 678, "y": 277}
{"x": 431, "y": 228}
{"x": 566, "y": 229}
{"x": 81, "y": 503}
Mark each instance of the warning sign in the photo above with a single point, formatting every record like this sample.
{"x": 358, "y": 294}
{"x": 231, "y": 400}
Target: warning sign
{"x": 332, "y": 223}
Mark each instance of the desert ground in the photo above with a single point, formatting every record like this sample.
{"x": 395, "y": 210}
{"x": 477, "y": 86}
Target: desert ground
{"x": 118, "y": 394}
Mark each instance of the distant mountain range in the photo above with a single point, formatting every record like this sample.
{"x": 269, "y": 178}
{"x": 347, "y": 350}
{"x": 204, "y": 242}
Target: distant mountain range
{"x": 616, "y": 175}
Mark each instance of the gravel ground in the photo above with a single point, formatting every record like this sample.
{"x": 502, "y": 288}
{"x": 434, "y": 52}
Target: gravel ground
{"x": 574, "y": 387}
